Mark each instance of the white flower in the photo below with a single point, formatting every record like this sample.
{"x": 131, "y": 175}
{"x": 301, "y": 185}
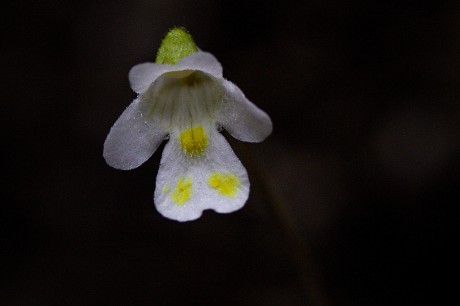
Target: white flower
{"x": 187, "y": 99}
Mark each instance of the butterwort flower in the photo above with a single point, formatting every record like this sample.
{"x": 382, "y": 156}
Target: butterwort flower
{"x": 184, "y": 98}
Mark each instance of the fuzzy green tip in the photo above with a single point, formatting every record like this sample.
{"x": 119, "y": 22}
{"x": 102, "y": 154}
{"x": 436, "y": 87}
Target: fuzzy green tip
{"x": 176, "y": 45}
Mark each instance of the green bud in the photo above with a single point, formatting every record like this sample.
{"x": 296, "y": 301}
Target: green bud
{"x": 176, "y": 45}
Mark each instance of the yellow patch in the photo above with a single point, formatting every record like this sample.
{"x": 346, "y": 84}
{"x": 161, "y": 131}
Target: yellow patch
{"x": 225, "y": 183}
{"x": 194, "y": 141}
{"x": 166, "y": 188}
{"x": 183, "y": 191}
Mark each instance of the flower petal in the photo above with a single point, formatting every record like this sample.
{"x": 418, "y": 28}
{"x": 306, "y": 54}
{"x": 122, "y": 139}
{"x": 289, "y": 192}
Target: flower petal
{"x": 186, "y": 185}
{"x": 241, "y": 118}
{"x": 202, "y": 61}
{"x": 143, "y": 75}
{"x": 133, "y": 138}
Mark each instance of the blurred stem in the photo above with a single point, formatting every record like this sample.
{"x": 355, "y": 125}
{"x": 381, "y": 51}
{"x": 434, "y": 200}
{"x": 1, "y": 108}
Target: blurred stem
{"x": 308, "y": 271}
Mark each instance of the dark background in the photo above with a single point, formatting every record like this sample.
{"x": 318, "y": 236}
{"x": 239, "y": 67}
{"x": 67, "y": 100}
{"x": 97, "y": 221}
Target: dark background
{"x": 353, "y": 196}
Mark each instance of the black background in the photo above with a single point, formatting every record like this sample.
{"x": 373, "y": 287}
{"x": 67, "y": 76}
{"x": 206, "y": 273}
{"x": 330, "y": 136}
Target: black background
{"x": 364, "y": 97}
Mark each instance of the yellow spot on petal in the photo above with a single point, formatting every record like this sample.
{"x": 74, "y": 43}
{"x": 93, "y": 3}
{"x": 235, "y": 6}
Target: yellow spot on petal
{"x": 225, "y": 183}
{"x": 194, "y": 141}
{"x": 166, "y": 188}
{"x": 183, "y": 191}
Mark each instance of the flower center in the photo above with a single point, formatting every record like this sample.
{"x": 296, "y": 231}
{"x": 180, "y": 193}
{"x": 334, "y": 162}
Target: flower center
{"x": 183, "y": 98}
{"x": 179, "y": 74}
